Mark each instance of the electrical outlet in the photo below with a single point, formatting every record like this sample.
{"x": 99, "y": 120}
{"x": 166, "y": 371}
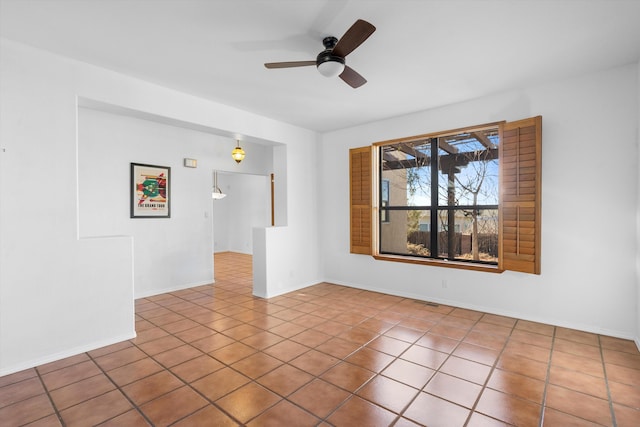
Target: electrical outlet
{"x": 444, "y": 284}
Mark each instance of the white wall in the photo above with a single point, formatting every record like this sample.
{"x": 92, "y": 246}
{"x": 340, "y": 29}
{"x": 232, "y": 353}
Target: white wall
{"x": 291, "y": 257}
{"x": 169, "y": 253}
{"x": 589, "y": 208}
{"x": 61, "y": 292}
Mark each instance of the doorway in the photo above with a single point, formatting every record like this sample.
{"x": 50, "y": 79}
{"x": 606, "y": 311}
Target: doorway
{"x": 247, "y": 205}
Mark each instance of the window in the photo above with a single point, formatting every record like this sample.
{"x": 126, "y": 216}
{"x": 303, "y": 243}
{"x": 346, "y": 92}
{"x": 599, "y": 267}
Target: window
{"x": 447, "y": 183}
{"x": 468, "y": 198}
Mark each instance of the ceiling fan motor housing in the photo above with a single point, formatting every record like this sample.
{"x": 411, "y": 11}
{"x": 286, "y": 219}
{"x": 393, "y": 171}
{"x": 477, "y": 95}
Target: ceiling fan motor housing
{"x": 328, "y": 64}
{"x": 327, "y": 56}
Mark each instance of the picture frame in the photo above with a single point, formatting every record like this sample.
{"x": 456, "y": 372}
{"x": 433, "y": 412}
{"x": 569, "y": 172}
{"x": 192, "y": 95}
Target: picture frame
{"x": 150, "y": 191}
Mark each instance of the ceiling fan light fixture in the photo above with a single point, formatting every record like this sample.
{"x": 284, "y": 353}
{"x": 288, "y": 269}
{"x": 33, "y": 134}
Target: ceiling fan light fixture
{"x": 331, "y": 66}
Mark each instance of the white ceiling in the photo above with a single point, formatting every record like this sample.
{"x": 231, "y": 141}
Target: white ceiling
{"x": 424, "y": 54}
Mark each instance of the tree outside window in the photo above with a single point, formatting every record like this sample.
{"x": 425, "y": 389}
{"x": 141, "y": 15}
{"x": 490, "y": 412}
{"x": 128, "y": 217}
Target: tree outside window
{"x": 446, "y": 197}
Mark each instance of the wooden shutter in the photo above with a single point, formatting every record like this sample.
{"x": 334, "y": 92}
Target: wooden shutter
{"x": 520, "y": 204}
{"x": 360, "y": 199}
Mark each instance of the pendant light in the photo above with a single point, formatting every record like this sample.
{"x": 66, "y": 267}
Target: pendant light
{"x": 217, "y": 194}
{"x": 237, "y": 153}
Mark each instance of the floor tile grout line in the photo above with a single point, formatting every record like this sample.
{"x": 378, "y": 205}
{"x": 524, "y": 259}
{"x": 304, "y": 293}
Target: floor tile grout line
{"x": 606, "y": 382}
{"x": 117, "y": 387}
{"x": 609, "y": 398}
{"x": 548, "y": 380}
{"x": 543, "y": 408}
{"x": 344, "y": 360}
{"x": 451, "y": 354}
{"x": 354, "y": 393}
{"x": 412, "y": 343}
{"x": 493, "y": 368}
{"x": 103, "y": 373}
{"x": 46, "y": 390}
{"x": 283, "y": 398}
{"x": 188, "y": 384}
{"x": 421, "y": 389}
{"x": 251, "y": 380}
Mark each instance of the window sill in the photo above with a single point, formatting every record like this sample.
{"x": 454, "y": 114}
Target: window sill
{"x": 440, "y": 263}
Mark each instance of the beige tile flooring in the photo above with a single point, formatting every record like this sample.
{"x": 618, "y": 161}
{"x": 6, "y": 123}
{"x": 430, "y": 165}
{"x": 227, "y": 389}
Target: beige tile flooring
{"x": 329, "y": 355}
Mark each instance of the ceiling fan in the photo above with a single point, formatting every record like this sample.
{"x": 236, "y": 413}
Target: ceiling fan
{"x": 331, "y": 61}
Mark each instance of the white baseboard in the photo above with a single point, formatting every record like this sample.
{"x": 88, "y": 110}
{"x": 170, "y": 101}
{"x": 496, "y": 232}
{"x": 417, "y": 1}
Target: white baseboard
{"x": 492, "y": 310}
{"x": 287, "y": 290}
{"x": 171, "y": 289}
{"x": 64, "y": 354}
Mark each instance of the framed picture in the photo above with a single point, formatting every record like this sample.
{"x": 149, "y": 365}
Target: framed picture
{"x": 150, "y": 191}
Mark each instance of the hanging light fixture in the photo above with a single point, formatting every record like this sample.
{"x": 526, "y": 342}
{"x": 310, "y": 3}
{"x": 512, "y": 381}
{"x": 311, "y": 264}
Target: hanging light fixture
{"x": 217, "y": 194}
{"x": 237, "y": 153}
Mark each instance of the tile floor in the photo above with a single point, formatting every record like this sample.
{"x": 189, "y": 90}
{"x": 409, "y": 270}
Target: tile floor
{"x": 329, "y": 355}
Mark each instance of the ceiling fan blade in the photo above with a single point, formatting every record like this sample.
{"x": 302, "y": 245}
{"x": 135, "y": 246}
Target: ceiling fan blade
{"x": 352, "y": 78}
{"x": 354, "y": 37}
{"x": 289, "y": 64}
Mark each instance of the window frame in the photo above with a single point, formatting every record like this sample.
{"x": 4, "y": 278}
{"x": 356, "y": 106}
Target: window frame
{"x": 520, "y": 199}
{"x": 495, "y": 268}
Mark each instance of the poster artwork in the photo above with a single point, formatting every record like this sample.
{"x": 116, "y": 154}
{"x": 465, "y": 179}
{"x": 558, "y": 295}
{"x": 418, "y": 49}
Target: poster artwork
{"x": 150, "y": 196}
